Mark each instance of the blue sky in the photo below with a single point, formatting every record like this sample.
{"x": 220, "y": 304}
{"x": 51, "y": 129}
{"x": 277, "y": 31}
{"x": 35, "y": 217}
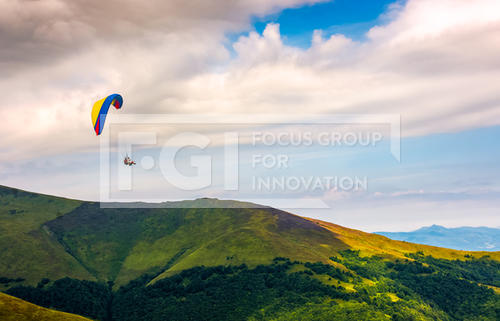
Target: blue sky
{"x": 433, "y": 63}
{"x": 352, "y": 18}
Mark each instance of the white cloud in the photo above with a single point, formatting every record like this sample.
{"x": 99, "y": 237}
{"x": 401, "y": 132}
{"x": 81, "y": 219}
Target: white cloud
{"x": 434, "y": 63}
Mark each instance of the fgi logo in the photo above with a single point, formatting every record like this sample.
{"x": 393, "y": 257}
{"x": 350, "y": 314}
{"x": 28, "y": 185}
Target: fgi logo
{"x": 167, "y": 162}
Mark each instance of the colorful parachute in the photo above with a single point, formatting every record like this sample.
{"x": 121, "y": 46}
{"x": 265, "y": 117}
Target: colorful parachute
{"x": 100, "y": 110}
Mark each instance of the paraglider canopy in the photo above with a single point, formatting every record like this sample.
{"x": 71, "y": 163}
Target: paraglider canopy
{"x": 100, "y": 110}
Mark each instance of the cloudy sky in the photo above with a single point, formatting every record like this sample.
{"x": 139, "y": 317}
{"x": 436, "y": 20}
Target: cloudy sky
{"x": 434, "y": 63}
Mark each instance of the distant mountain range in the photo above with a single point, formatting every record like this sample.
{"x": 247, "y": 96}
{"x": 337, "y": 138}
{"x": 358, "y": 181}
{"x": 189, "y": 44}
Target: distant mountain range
{"x": 460, "y": 238}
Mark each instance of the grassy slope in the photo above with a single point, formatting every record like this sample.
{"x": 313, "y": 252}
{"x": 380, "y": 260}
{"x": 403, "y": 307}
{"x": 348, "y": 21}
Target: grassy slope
{"x": 27, "y": 250}
{"x": 122, "y": 244}
{"x": 53, "y": 237}
{"x": 14, "y": 309}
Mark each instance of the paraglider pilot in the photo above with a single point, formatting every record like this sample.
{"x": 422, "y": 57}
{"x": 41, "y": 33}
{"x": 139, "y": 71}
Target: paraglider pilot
{"x": 128, "y": 161}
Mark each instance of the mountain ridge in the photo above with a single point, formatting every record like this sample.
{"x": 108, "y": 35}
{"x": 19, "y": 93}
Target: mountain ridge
{"x": 460, "y": 238}
{"x": 81, "y": 240}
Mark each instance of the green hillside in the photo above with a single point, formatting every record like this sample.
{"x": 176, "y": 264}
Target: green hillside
{"x": 226, "y": 260}
{"x": 14, "y": 309}
{"x": 358, "y": 288}
{"x": 27, "y": 250}
{"x": 122, "y": 244}
{"x": 50, "y": 237}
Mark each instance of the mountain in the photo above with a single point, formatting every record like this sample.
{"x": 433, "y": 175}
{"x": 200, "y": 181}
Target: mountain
{"x": 51, "y": 237}
{"x": 122, "y": 244}
{"x": 226, "y": 260}
{"x": 461, "y": 238}
{"x": 14, "y": 309}
{"x": 26, "y": 248}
